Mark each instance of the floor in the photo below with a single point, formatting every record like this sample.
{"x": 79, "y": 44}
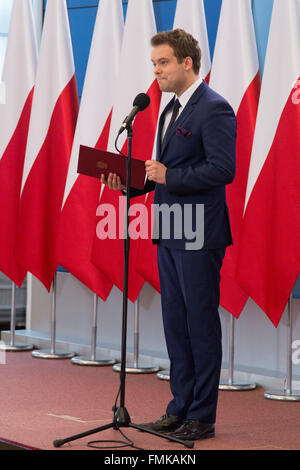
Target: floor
{"x": 43, "y": 400}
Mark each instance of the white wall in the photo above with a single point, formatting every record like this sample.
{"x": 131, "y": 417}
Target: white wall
{"x": 260, "y": 348}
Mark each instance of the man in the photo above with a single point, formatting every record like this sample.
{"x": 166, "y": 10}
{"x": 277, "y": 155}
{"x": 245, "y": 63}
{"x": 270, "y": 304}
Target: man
{"x": 195, "y": 160}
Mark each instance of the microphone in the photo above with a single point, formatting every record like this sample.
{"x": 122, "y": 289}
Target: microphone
{"x": 140, "y": 103}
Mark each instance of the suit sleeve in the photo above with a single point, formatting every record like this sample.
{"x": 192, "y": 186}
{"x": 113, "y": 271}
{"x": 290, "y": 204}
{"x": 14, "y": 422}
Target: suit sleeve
{"x": 149, "y": 186}
{"x": 218, "y": 135}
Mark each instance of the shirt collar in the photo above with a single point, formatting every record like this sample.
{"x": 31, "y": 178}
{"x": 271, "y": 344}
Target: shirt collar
{"x": 184, "y": 98}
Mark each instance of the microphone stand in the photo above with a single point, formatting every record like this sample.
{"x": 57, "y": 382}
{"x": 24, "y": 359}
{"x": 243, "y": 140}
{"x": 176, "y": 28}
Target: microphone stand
{"x": 121, "y": 416}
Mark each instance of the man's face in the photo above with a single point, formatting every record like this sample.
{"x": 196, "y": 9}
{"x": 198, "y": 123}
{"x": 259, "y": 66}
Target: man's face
{"x": 171, "y": 76}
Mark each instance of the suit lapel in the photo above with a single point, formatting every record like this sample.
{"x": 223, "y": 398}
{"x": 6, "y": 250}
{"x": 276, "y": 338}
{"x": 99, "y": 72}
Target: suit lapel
{"x": 189, "y": 108}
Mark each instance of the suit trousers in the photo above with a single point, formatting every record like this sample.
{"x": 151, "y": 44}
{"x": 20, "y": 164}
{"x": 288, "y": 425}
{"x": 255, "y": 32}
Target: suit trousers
{"x": 190, "y": 294}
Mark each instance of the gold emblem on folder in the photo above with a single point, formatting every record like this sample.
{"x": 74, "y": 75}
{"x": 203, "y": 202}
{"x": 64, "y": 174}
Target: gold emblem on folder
{"x": 102, "y": 165}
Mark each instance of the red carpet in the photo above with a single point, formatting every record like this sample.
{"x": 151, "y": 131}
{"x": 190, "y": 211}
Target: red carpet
{"x": 43, "y": 400}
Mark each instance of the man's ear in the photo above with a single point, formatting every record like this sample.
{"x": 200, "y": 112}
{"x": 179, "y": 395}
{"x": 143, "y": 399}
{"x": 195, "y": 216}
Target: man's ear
{"x": 188, "y": 62}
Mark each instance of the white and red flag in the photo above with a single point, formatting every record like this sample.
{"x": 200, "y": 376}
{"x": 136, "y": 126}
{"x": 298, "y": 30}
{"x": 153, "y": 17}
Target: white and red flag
{"x": 18, "y": 77}
{"x": 269, "y": 254}
{"x": 82, "y": 193}
{"x": 50, "y": 138}
{"x": 235, "y": 76}
{"x": 135, "y": 76}
{"x": 190, "y": 16}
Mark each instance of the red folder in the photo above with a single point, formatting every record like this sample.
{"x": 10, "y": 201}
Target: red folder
{"x": 94, "y": 162}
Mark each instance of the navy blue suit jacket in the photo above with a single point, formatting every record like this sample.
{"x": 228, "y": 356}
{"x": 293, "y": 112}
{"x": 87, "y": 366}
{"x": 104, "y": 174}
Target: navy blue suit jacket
{"x": 199, "y": 153}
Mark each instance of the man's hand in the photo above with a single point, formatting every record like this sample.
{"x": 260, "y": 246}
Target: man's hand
{"x": 113, "y": 181}
{"x": 156, "y": 171}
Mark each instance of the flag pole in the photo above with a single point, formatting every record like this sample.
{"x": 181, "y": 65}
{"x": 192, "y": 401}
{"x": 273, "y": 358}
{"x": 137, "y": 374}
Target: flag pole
{"x": 230, "y": 384}
{"x": 12, "y": 345}
{"x": 53, "y": 353}
{"x": 136, "y": 367}
{"x": 92, "y": 360}
{"x": 224, "y": 385}
{"x": 287, "y": 394}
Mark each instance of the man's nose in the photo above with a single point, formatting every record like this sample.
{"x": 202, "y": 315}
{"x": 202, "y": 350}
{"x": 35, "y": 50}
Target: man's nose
{"x": 157, "y": 69}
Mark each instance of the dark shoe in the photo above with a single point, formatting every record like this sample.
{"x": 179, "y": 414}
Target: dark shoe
{"x": 165, "y": 423}
{"x": 192, "y": 430}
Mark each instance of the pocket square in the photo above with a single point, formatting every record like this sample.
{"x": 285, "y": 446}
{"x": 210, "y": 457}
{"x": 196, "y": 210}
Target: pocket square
{"x": 183, "y": 132}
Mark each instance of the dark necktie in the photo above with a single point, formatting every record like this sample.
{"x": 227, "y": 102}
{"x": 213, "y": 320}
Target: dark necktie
{"x": 175, "y": 112}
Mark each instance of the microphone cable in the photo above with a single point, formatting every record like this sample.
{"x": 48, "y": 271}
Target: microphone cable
{"x": 120, "y": 444}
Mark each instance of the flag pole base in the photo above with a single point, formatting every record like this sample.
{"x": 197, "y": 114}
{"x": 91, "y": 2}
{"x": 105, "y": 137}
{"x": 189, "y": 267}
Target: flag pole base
{"x": 16, "y": 347}
{"x": 133, "y": 368}
{"x": 286, "y": 394}
{"x": 163, "y": 375}
{"x": 240, "y": 386}
{"x": 89, "y": 361}
{"x": 48, "y": 354}
{"x": 282, "y": 395}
